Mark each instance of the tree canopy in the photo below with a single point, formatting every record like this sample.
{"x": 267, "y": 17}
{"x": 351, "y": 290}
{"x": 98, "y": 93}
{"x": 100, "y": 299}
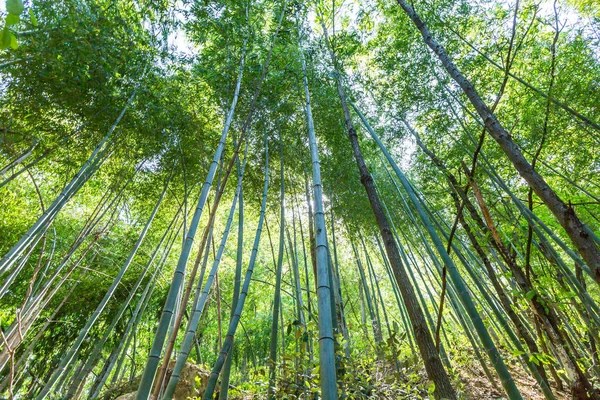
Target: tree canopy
{"x": 300, "y": 199}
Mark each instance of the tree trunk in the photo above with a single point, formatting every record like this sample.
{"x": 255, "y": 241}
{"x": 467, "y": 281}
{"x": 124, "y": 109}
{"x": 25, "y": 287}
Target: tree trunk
{"x": 433, "y": 365}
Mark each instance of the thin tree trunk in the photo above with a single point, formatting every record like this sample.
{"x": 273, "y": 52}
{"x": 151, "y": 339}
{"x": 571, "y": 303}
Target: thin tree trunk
{"x": 224, "y": 387}
{"x": 370, "y": 291}
{"x": 337, "y": 287}
{"x": 429, "y": 354}
{"x": 200, "y": 298}
{"x": 385, "y": 315}
{"x": 308, "y": 290}
{"x": 311, "y": 233}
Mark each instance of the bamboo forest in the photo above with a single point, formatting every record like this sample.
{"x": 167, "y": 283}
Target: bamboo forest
{"x": 300, "y": 199}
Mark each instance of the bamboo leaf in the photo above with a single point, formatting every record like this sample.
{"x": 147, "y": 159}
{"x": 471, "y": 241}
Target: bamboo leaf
{"x": 33, "y": 18}
{"x": 12, "y": 19}
{"x": 530, "y": 295}
{"x": 14, "y": 7}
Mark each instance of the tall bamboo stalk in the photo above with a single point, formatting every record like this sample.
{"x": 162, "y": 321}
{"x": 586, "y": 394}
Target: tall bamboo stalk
{"x": 321, "y": 255}
{"x": 72, "y": 352}
{"x": 429, "y": 354}
{"x": 201, "y": 297}
{"x": 278, "y": 272}
{"x": 224, "y": 387}
{"x": 235, "y": 320}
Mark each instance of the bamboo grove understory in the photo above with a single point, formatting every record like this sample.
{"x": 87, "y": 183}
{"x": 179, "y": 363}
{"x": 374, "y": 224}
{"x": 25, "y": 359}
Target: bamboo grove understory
{"x": 300, "y": 199}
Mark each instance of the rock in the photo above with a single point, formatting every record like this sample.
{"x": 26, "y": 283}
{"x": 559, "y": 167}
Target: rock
{"x": 128, "y": 396}
{"x": 192, "y": 383}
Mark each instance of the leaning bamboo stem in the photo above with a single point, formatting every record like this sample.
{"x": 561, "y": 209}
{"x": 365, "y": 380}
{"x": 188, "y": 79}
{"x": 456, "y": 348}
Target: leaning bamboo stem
{"x": 201, "y": 298}
{"x": 84, "y": 173}
{"x": 154, "y": 356}
{"x": 68, "y": 357}
{"x": 463, "y": 292}
{"x": 277, "y": 293}
{"x": 235, "y": 320}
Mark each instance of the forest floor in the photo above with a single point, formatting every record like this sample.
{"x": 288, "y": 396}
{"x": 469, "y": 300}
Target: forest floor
{"x": 476, "y": 385}
{"x": 473, "y": 385}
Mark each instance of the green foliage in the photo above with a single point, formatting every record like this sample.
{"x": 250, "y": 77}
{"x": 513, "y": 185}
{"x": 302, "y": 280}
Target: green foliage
{"x": 68, "y": 69}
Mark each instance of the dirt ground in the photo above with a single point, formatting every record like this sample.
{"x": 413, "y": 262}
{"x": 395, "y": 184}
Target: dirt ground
{"x": 478, "y": 387}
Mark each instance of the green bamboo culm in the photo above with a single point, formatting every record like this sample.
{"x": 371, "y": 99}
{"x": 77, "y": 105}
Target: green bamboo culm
{"x": 462, "y": 290}
{"x": 224, "y": 387}
{"x": 146, "y": 382}
{"x": 235, "y": 320}
{"x": 201, "y": 297}
{"x": 327, "y": 368}
{"x": 68, "y": 357}
{"x": 278, "y": 271}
